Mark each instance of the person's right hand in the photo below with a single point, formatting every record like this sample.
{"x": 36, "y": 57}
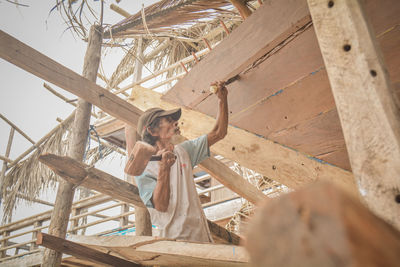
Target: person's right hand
{"x": 168, "y": 158}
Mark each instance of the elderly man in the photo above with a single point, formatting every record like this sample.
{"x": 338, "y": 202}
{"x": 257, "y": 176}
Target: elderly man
{"x": 166, "y": 187}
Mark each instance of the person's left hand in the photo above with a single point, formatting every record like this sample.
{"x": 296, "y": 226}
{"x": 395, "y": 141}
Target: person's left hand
{"x": 222, "y": 92}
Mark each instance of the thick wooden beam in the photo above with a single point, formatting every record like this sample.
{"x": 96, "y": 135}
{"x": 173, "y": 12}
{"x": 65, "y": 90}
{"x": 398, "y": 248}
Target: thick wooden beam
{"x": 241, "y": 48}
{"x": 89, "y": 177}
{"x": 320, "y": 226}
{"x": 273, "y": 160}
{"x": 166, "y": 252}
{"x": 80, "y": 251}
{"x": 365, "y": 101}
{"x": 81, "y": 174}
{"x": 36, "y": 63}
{"x": 45, "y": 68}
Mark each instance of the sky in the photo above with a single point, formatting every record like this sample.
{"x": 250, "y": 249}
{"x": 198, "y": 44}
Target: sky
{"x": 23, "y": 99}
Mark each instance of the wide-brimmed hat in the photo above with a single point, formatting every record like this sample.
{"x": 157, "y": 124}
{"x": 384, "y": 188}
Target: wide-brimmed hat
{"x": 151, "y": 114}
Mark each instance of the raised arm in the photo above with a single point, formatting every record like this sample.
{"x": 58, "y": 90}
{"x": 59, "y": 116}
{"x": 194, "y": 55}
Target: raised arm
{"x": 221, "y": 126}
{"x": 162, "y": 190}
{"x": 130, "y": 137}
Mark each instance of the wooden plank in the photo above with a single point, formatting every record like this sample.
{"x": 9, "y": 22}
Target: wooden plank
{"x": 110, "y": 127}
{"x": 45, "y": 68}
{"x": 320, "y": 226}
{"x": 166, "y": 252}
{"x": 279, "y": 71}
{"x": 365, "y": 101}
{"x": 257, "y": 35}
{"x": 80, "y": 251}
{"x": 292, "y": 168}
{"x": 81, "y": 174}
{"x": 89, "y": 177}
{"x": 318, "y": 136}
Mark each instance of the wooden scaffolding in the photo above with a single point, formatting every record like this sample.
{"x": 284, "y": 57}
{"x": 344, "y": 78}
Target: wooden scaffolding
{"x": 315, "y": 110}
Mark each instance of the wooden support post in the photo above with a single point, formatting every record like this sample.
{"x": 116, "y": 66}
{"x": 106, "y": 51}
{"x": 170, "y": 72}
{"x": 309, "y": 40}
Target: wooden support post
{"x": 74, "y": 222}
{"x": 143, "y": 226}
{"x": 365, "y": 101}
{"x": 37, "y": 224}
{"x": 79, "y": 173}
{"x": 321, "y": 226}
{"x": 241, "y": 6}
{"x": 123, "y": 221}
{"x": 64, "y": 246}
{"x": 62, "y": 208}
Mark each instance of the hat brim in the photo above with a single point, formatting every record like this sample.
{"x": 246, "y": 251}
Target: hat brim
{"x": 174, "y": 113}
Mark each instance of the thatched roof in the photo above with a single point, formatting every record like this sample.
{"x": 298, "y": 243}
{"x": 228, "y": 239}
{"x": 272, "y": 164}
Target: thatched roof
{"x": 168, "y": 15}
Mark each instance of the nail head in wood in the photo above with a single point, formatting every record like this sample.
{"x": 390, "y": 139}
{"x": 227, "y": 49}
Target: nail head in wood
{"x": 331, "y": 4}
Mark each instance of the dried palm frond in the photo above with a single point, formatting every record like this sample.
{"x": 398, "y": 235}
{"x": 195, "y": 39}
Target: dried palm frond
{"x": 78, "y": 15}
{"x": 30, "y": 177}
{"x": 167, "y": 14}
{"x": 183, "y": 39}
{"x": 125, "y": 67}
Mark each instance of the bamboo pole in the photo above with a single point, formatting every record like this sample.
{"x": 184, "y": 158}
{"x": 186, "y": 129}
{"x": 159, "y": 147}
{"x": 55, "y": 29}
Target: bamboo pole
{"x": 54, "y": 92}
{"x": 172, "y": 66}
{"x": 17, "y": 129}
{"x": 65, "y": 194}
{"x": 3, "y": 158}
{"x": 180, "y": 75}
{"x": 120, "y": 11}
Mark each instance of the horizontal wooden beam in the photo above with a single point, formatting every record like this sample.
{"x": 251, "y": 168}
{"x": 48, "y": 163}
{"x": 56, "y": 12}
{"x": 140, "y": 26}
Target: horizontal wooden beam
{"x": 320, "y": 225}
{"x": 45, "y": 68}
{"x": 81, "y": 251}
{"x": 273, "y": 160}
{"x": 81, "y": 174}
{"x": 89, "y": 177}
{"x": 166, "y": 252}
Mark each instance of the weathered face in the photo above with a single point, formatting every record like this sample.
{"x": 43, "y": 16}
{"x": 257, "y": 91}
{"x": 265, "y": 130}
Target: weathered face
{"x": 167, "y": 128}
